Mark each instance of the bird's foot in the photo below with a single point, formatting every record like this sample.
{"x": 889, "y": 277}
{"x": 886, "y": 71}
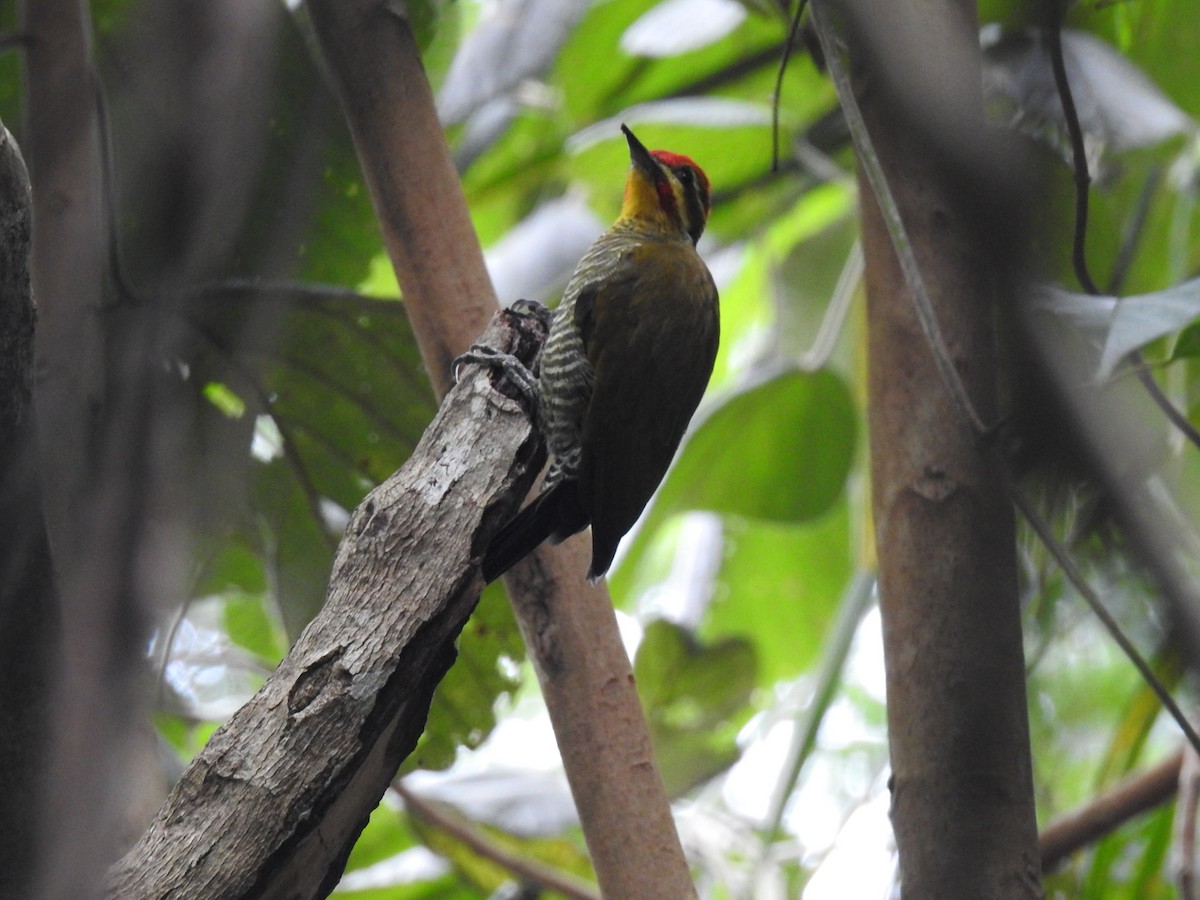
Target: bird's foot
{"x": 518, "y": 379}
{"x": 513, "y": 369}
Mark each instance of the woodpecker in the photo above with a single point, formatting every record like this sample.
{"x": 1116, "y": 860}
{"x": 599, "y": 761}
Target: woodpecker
{"x": 630, "y": 352}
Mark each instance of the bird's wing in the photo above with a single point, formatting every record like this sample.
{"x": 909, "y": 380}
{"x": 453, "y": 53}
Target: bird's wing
{"x": 651, "y": 337}
{"x": 555, "y": 513}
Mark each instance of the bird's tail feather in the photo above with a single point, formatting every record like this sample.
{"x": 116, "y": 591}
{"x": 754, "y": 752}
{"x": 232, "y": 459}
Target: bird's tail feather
{"x": 556, "y": 513}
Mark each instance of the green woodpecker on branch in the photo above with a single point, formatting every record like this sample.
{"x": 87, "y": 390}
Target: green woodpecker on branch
{"x": 630, "y": 352}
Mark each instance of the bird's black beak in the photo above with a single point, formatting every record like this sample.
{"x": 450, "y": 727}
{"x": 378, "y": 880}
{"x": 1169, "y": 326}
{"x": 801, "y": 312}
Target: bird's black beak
{"x": 639, "y": 155}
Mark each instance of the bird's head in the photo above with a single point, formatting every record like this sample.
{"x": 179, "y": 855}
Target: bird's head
{"x": 665, "y": 190}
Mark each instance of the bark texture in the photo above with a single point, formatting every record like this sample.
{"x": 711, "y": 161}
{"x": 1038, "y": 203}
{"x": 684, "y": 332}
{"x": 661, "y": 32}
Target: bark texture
{"x": 273, "y": 804}
{"x": 962, "y": 790}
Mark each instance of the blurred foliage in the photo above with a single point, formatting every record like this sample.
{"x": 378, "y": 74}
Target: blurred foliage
{"x": 484, "y": 873}
{"x": 696, "y": 697}
{"x": 734, "y": 605}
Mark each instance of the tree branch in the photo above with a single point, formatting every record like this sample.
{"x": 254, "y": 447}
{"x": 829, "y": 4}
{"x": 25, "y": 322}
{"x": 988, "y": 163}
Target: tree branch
{"x": 274, "y": 802}
{"x": 1184, "y": 830}
{"x": 569, "y": 626}
{"x": 542, "y": 875}
{"x": 1132, "y": 797}
{"x": 83, "y": 459}
{"x": 376, "y": 69}
{"x": 958, "y": 733}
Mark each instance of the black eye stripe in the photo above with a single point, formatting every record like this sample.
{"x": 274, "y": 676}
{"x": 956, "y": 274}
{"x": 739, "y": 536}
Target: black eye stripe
{"x": 696, "y": 210}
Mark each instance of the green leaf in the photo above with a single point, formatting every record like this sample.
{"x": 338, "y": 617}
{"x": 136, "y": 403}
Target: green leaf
{"x": 787, "y": 277}
{"x": 234, "y": 567}
{"x": 250, "y": 622}
{"x": 687, "y": 684}
{"x": 779, "y": 586}
{"x": 696, "y": 697}
{"x": 388, "y": 834}
{"x": 296, "y": 546}
{"x": 599, "y": 77}
{"x": 780, "y": 451}
{"x": 1187, "y": 345}
{"x": 344, "y": 235}
{"x": 424, "y": 17}
{"x": 1128, "y": 863}
{"x": 1138, "y": 714}
{"x": 590, "y": 69}
{"x": 186, "y": 736}
{"x": 445, "y": 887}
{"x": 346, "y": 401}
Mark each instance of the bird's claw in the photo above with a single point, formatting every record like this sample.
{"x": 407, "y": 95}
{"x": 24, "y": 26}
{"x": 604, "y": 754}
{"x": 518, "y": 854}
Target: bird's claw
{"x": 516, "y": 371}
{"x": 518, "y": 374}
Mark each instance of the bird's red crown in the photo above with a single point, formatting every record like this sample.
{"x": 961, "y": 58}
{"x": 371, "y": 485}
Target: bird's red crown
{"x": 674, "y": 160}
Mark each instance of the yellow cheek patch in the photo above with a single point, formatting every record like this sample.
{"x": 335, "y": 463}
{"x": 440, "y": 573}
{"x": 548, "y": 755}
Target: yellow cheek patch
{"x": 644, "y": 202}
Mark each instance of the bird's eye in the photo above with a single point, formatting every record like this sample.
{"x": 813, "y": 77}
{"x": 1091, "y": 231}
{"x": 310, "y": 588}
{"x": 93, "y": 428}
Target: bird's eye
{"x": 685, "y": 176}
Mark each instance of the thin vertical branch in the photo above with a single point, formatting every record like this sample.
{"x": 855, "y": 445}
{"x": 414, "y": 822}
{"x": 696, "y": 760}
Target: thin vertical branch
{"x": 855, "y": 603}
{"x": 427, "y": 231}
{"x": 783, "y": 61}
{"x": 944, "y": 528}
{"x": 1083, "y": 178}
